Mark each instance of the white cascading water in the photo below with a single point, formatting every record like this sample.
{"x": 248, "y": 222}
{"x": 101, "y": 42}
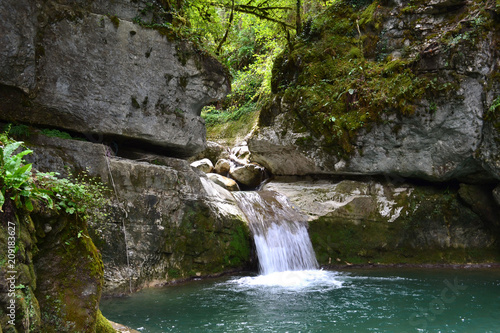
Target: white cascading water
{"x": 279, "y": 231}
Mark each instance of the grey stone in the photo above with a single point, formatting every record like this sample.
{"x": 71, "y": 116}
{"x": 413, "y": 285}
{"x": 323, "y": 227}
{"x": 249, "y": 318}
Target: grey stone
{"x": 240, "y": 154}
{"x": 17, "y": 43}
{"x": 496, "y": 195}
{"x": 171, "y": 219}
{"x": 225, "y": 182}
{"x": 419, "y": 213}
{"x": 68, "y": 157}
{"x": 122, "y": 81}
{"x": 451, "y": 141}
{"x": 250, "y": 175}
{"x": 204, "y": 165}
{"x": 214, "y": 151}
{"x": 222, "y": 167}
{"x": 480, "y": 201}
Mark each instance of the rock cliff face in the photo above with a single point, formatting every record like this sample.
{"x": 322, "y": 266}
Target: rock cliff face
{"x": 168, "y": 221}
{"x": 420, "y": 94}
{"x": 379, "y": 222}
{"x": 87, "y": 68}
{"x": 84, "y": 67}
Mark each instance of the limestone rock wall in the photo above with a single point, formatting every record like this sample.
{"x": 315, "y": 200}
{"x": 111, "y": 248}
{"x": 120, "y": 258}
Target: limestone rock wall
{"x": 449, "y": 135}
{"x": 381, "y": 222}
{"x": 171, "y": 220}
{"x": 87, "y": 68}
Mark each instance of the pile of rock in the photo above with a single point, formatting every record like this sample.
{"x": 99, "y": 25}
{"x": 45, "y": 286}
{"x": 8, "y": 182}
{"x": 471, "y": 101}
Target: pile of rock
{"x": 231, "y": 171}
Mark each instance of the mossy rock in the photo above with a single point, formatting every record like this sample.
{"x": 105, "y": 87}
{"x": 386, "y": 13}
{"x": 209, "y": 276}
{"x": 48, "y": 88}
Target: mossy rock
{"x": 69, "y": 273}
{"x": 28, "y": 317}
{"x": 351, "y": 76}
{"x": 434, "y": 227}
{"x": 59, "y": 274}
{"x": 205, "y": 244}
{"x": 103, "y": 325}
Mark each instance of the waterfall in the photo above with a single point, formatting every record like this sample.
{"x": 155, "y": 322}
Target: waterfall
{"x": 279, "y": 232}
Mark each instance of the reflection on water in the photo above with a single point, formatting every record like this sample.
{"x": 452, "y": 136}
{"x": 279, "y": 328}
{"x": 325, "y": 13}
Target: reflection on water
{"x": 378, "y": 300}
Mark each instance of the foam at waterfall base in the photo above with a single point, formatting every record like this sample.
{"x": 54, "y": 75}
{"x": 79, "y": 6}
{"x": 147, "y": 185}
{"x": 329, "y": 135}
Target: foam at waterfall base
{"x": 305, "y": 280}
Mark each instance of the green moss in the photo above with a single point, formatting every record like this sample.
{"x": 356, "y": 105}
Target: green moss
{"x": 430, "y": 218}
{"x": 53, "y": 133}
{"x": 230, "y": 126}
{"x": 103, "y": 325}
{"x": 239, "y": 246}
{"x": 355, "y": 53}
{"x": 345, "y": 80}
{"x": 203, "y": 244}
{"x": 368, "y": 15}
{"x": 114, "y": 20}
{"x": 75, "y": 267}
{"x": 174, "y": 273}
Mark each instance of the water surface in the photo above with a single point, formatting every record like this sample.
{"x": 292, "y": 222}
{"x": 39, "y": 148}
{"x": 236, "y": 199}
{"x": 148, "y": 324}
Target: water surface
{"x": 375, "y": 300}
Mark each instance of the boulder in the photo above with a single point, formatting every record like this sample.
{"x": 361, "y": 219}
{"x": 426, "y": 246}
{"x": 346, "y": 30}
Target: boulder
{"x": 250, "y": 175}
{"x": 104, "y": 75}
{"x": 225, "y": 182}
{"x": 204, "y": 165}
{"x": 222, "y": 167}
{"x": 240, "y": 154}
{"x": 214, "y": 151}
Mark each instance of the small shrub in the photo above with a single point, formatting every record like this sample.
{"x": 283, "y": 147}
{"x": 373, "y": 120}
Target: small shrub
{"x": 81, "y": 195}
{"x": 18, "y": 131}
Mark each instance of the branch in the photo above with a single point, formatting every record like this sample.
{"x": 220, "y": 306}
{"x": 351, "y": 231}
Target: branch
{"x": 263, "y": 16}
{"x": 264, "y": 8}
{"x": 229, "y": 24}
{"x": 260, "y": 12}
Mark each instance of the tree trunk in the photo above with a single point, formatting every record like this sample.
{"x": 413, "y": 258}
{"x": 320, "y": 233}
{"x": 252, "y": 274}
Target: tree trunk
{"x": 298, "y": 19}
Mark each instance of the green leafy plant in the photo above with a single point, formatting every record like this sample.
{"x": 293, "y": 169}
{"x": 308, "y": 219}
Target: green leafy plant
{"x": 495, "y": 105}
{"x": 15, "y": 174}
{"x": 18, "y": 131}
{"x": 82, "y": 195}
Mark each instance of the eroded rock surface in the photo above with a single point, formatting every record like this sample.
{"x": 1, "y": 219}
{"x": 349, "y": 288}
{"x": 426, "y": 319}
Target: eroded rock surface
{"x": 72, "y": 68}
{"x": 448, "y": 132}
{"x": 381, "y": 222}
